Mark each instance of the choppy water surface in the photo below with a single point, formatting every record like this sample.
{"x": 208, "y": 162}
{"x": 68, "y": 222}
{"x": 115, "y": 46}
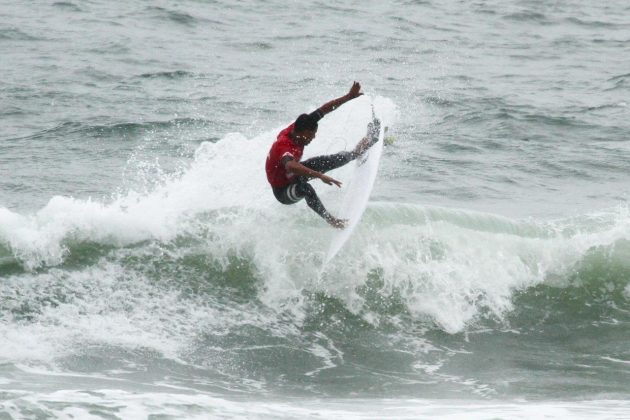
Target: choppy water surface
{"x": 146, "y": 269}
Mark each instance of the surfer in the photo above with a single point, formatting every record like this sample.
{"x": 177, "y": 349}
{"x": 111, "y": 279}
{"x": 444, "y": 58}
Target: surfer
{"x": 289, "y": 177}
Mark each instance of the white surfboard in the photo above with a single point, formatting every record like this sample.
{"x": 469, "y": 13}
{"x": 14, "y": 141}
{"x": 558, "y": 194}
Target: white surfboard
{"x": 356, "y": 195}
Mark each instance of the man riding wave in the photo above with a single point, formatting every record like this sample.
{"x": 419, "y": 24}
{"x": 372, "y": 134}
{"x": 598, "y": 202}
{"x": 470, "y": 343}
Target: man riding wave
{"x": 288, "y": 176}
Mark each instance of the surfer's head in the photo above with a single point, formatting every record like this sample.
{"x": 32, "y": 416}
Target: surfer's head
{"x": 304, "y": 129}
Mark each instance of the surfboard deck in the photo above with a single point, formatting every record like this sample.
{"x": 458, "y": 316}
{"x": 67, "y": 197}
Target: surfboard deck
{"x": 357, "y": 194}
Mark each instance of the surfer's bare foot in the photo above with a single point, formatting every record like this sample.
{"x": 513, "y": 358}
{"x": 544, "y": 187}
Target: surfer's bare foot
{"x": 337, "y": 223}
{"x": 362, "y": 146}
{"x": 373, "y": 131}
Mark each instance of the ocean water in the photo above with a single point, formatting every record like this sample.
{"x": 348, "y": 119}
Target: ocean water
{"x": 146, "y": 270}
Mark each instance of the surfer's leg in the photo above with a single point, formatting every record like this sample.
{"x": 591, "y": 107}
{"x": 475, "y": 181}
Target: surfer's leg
{"x": 295, "y": 192}
{"x": 286, "y": 195}
{"x": 329, "y": 162}
{"x": 316, "y": 205}
{"x": 303, "y": 190}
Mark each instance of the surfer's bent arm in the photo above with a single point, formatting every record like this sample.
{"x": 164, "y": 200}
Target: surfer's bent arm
{"x": 291, "y": 165}
{"x": 355, "y": 92}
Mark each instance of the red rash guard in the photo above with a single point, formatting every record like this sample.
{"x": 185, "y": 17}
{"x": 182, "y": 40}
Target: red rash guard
{"x": 277, "y": 175}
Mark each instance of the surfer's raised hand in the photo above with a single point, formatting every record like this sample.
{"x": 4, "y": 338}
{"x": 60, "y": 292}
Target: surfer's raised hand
{"x": 330, "y": 181}
{"x": 355, "y": 91}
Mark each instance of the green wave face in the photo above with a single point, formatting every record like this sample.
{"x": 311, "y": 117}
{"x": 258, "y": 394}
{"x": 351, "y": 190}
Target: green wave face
{"x": 422, "y": 300}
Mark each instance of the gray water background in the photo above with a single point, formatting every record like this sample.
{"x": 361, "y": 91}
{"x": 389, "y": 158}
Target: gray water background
{"x": 511, "y": 109}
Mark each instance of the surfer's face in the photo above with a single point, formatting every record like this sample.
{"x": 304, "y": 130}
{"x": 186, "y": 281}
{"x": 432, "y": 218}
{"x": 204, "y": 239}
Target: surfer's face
{"x": 305, "y": 136}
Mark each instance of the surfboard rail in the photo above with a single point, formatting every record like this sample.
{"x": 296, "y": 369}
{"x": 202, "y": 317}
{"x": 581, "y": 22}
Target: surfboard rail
{"x": 357, "y": 194}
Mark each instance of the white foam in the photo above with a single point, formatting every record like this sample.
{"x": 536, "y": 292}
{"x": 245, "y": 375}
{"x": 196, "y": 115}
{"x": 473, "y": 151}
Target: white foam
{"x": 453, "y": 268}
{"x": 98, "y": 305}
{"x": 70, "y": 404}
{"x": 227, "y": 176}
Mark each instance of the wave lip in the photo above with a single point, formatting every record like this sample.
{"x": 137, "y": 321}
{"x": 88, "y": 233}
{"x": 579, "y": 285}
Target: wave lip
{"x": 41, "y": 239}
{"x": 455, "y": 267}
{"x": 447, "y": 267}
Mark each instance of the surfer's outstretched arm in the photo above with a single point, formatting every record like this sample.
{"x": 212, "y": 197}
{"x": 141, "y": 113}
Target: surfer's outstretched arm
{"x": 301, "y": 170}
{"x": 355, "y": 92}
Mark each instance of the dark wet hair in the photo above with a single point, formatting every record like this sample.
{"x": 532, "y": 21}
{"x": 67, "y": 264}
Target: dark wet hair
{"x": 305, "y": 122}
